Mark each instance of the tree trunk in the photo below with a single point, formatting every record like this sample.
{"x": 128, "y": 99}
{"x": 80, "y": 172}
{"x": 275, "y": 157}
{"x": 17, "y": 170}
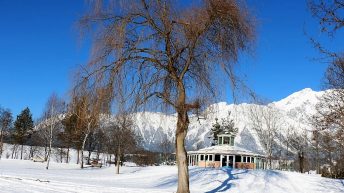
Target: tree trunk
{"x": 301, "y": 160}
{"x": 13, "y": 150}
{"x": 61, "y": 154}
{"x": 89, "y": 157}
{"x": 287, "y": 158}
{"x": 21, "y": 152}
{"x": 1, "y": 142}
{"x": 31, "y": 151}
{"x": 82, "y": 159}
{"x": 83, "y": 144}
{"x": 317, "y": 155}
{"x": 78, "y": 157}
{"x": 118, "y": 158}
{"x": 50, "y": 143}
{"x": 67, "y": 161}
{"x": 45, "y": 152}
{"x": 181, "y": 156}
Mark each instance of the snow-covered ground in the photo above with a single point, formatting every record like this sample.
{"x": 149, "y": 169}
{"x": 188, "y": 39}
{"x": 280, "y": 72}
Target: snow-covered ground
{"x": 27, "y": 176}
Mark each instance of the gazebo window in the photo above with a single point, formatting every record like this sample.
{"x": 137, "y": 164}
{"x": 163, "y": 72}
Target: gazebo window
{"x": 210, "y": 157}
{"x": 206, "y": 157}
{"x": 225, "y": 140}
{"x": 232, "y": 141}
{"x": 237, "y": 158}
{"x": 220, "y": 141}
{"x": 244, "y": 159}
{"x": 202, "y": 157}
{"x": 217, "y": 158}
{"x": 248, "y": 159}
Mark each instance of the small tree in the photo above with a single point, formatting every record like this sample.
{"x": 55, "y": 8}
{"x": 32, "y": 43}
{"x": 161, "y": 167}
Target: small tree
{"x": 166, "y": 147}
{"x": 5, "y": 123}
{"x": 23, "y": 128}
{"x": 299, "y": 142}
{"x": 54, "y": 109}
{"x": 122, "y": 138}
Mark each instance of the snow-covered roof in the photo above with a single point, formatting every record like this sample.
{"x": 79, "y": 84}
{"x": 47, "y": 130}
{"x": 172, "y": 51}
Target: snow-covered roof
{"x": 225, "y": 149}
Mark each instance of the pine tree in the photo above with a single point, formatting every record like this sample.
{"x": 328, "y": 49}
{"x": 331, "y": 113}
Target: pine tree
{"x": 23, "y": 128}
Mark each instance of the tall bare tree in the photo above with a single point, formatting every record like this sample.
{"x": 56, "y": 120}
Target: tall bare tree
{"x": 163, "y": 50}
{"x": 52, "y": 117}
{"x": 266, "y": 121}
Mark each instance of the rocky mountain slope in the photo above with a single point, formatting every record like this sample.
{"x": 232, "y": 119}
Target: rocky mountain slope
{"x": 293, "y": 110}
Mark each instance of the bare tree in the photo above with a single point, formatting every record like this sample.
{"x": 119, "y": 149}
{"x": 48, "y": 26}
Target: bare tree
{"x": 299, "y": 142}
{"x": 328, "y": 121}
{"x": 54, "y": 109}
{"x": 122, "y": 138}
{"x": 5, "y": 123}
{"x": 166, "y": 147}
{"x": 265, "y": 120}
{"x": 160, "y": 50}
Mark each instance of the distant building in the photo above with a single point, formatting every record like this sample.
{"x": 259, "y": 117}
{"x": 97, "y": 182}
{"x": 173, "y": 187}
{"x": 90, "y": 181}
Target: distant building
{"x": 224, "y": 153}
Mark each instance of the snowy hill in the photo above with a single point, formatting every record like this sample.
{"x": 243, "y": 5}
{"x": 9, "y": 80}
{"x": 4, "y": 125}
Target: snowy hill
{"x": 17, "y": 176}
{"x": 293, "y": 110}
{"x": 300, "y": 105}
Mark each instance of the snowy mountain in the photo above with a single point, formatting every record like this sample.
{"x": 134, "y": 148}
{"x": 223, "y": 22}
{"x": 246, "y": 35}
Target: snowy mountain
{"x": 292, "y": 110}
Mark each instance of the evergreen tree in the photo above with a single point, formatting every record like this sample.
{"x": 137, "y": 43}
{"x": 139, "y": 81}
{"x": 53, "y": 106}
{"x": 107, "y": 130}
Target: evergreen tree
{"x": 23, "y": 128}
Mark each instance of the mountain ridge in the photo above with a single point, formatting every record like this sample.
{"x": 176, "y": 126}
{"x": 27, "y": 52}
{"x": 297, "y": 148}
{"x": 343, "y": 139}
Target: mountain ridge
{"x": 155, "y": 127}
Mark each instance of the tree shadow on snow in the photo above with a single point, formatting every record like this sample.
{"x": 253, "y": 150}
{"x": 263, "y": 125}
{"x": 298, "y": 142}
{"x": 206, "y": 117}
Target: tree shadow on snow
{"x": 226, "y": 184}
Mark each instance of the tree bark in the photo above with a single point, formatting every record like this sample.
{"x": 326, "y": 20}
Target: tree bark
{"x": 118, "y": 159}
{"x": 21, "y": 152}
{"x": 61, "y": 154}
{"x": 1, "y": 142}
{"x": 13, "y": 150}
{"x": 67, "y": 161}
{"x": 301, "y": 159}
{"x": 78, "y": 157}
{"x": 83, "y": 144}
{"x": 50, "y": 143}
{"x": 89, "y": 157}
{"x": 182, "y": 163}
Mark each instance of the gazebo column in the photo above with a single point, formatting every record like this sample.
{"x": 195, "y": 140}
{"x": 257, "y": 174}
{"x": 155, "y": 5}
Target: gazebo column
{"x": 221, "y": 156}
{"x": 234, "y": 161}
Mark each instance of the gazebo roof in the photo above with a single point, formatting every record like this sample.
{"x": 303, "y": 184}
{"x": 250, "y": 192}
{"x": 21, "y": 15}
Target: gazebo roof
{"x": 225, "y": 149}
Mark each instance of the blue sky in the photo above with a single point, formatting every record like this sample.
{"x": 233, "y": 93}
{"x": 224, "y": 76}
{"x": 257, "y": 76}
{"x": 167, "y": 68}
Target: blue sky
{"x": 40, "y": 48}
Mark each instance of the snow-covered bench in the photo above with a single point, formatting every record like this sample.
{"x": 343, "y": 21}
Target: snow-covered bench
{"x": 96, "y": 163}
{"x": 37, "y": 159}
